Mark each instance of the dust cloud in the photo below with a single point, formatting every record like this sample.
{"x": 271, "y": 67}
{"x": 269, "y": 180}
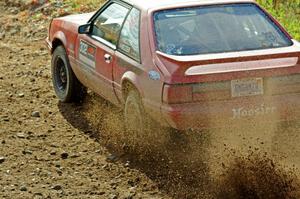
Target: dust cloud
{"x": 249, "y": 160}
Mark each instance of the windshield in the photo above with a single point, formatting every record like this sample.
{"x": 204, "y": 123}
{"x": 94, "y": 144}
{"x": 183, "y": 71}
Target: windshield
{"x": 216, "y": 29}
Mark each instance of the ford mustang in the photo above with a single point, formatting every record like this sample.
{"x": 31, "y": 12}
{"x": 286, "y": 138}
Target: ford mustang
{"x": 183, "y": 64}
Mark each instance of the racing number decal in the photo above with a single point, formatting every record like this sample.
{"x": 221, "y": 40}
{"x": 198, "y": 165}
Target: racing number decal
{"x": 87, "y": 54}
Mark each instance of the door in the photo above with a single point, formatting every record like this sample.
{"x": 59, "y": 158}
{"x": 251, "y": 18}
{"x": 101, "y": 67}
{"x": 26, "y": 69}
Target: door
{"x": 128, "y": 53}
{"x": 97, "y": 50}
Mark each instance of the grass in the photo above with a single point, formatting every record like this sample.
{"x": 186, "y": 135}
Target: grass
{"x": 88, "y": 5}
{"x": 288, "y": 13}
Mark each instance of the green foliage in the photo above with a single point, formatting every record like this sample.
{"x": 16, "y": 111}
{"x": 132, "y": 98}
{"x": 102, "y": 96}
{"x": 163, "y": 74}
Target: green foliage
{"x": 288, "y": 14}
{"x": 85, "y": 4}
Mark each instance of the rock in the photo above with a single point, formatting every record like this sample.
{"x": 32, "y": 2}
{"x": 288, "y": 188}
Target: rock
{"x": 131, "y": 183}
{"x": 2, "y": 35}
{"x": 130, "y": 195}
{"x": 113, "y": 196}
{"x": 2, "y": 160}
{"x": 53, "y": 145}
{"x": 98, "y": 151}
{"x": 57, "y": 187}
{"x": 6, "y": 119}
{"x": 75, "y": 156}
{"x": 114, "y": 184}
{"x": 132, "y": 189}
{"x": 112, "y": 158}
{"x": 38, "y": 196}
{"x": 101, "y": 193}
{"x": 59, "y": 171}
{"x": 15, "y": 29}
{"x": 21, "y": 135}
{"x": 27, "y": 152}
{"x": 57, "y": 165}
{"x": 23, "y": 188}
{"x": 21, "y": 95}
{"x": 14, "y": 11}
{"x": 35, "y": 114}
{"x": 64, "y": 155}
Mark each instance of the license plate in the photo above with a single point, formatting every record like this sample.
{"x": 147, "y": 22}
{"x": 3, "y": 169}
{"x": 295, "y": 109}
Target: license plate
{"x": 247, "y": 87}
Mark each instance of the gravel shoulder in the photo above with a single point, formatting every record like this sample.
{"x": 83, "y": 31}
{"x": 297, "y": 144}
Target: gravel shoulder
{"x": 42, "y": 155}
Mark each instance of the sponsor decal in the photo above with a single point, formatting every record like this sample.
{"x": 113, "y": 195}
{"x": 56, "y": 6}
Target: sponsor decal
{"x": 252, "y": 112}
{"x": 87, "y": 54}
{"x": 153, "y": 75}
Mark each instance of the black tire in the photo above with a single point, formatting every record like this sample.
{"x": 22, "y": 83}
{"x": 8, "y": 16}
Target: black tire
{"x": 66, "y": 85}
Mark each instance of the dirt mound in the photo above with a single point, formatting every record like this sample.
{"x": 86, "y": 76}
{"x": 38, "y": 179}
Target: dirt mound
{"x": 258, "y": 176}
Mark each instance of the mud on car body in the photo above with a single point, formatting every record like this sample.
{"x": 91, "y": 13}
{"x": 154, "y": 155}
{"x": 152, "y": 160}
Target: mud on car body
{"x": 182, "y": 64}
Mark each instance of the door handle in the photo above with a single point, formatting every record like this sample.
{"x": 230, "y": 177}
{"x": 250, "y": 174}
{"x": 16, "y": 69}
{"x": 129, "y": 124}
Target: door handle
{"x": 107, "y": 58}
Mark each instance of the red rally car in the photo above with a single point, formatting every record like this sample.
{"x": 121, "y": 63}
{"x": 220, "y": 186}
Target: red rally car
{"x": 181, "y": 63}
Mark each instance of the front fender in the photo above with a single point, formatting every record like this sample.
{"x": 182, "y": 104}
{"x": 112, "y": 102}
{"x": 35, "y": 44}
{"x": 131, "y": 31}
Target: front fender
{"x": 61, "y": 37}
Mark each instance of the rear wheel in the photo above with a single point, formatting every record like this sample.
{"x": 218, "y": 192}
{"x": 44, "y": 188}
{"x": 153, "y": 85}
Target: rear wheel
{"x": 66, "y": 85}
{"x": 143, "y": 133}
{"x": 136, "y": 121}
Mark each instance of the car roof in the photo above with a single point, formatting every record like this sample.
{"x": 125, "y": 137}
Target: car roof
{"x": 160, "y": 4}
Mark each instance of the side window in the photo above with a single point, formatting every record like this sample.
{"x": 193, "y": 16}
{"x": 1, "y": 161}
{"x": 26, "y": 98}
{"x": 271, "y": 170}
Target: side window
{"x": 129, "y": 42}
{"x": 108, "y": 24}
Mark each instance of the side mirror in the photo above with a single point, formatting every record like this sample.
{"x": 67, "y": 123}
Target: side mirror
{"x": 84, "y": 29}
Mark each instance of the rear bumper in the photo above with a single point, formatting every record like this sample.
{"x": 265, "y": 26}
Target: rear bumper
{"x": 214, "y": 114}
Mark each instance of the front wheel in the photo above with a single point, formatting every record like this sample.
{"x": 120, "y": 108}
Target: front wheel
{"x": 66, "y": 85}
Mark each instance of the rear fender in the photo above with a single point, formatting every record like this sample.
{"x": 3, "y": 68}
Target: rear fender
{"x": 132, "y": 78}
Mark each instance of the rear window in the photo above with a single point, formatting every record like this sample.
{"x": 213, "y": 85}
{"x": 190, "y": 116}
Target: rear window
{"x": 216, "y": 29}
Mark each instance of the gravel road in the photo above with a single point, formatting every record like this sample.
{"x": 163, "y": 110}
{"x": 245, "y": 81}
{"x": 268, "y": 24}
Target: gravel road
{"x": 54, "y": 150}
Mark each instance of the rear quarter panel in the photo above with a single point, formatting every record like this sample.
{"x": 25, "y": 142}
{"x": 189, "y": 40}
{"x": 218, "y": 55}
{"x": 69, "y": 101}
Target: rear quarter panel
{"x": 127, "y": 70}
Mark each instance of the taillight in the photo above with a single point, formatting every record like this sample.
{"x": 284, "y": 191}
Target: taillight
{"x": 173, "y": 94}
{"x": 197, "y": 92}
{"x": 282, "y": 84}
